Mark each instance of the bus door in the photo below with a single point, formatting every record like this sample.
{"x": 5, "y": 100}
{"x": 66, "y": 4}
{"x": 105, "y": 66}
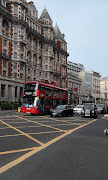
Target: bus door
{"x": 42, "y": 105}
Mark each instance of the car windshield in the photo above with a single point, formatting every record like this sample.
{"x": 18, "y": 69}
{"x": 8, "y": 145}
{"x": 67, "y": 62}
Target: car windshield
{"x": 100, "y": 105}
{"x": 89, "y": 106}
{"x": 79, "y": 106}
{"x": 61, "y": 107}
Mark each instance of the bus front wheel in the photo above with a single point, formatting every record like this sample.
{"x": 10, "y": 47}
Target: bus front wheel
{"x": 47, "y": 111}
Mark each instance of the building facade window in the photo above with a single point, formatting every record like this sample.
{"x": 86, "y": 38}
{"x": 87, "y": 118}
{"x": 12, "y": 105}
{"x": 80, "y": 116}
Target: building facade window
{"x": 21, "y": 76}
{"x": 15, "y": 75}
{"x": 15, "y": 35}
{"x": 2, "y": 90}
{"x": 15, "y": 65}
{"x": 16, "y": 91}
{"x": 21, "y": 92}
{"x": 15, "y": 28}
{"x": 46, "y": 67}
{"x": 34, "y": 72}
{"x": 4, "y": 64}
{"x": 21, "y": 66}
{"x": 15, "y": 55}
{"x": 46, "y": 75}
{"x": 4, "y": 73}
{"x": 5, "y": 51}
{"x": 5, "y": 43}
{"x": 15, "y": 8}
{"x": 15, "y": 46}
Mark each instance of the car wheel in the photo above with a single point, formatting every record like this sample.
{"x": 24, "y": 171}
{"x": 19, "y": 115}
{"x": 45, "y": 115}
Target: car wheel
{"x": 71, "y": 114}
{"x": 32, "y": 114}
{"x": 47, "y": 111}
{"x": 63, "y": 114}
{"x": 95, "y": 116}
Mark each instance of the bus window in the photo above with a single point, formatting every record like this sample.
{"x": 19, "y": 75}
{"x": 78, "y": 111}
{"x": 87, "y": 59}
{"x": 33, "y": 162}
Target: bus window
{"x": 60, "y": 102}
{"x": 54, "y": 102}
{"x": 30, "y": 86}
{"x": 28, "y": 101}
{"x": 43, "y": 88}
{"x": 39, "y": 87}
{"x": 47, "y": 102}
{"x": 51, "y": 102}
{"x": 64, "y": 102}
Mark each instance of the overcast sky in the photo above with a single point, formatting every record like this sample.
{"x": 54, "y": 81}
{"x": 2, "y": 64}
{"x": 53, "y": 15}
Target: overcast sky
{"x": 85, "y": 25}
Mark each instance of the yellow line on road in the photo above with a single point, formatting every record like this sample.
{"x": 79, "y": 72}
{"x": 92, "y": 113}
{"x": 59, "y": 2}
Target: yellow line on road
{"x": 78, "y": 120}
{"x": 67, "y": 124}
{"x": 4, "y": 128}
{"x": 16, "y": 151}
{"x": 10, "y": 119}
{"x": 41, "y": 124}
{"x": 25, "y": 134}
{"x": 66, "y": 121}
{"x": 17, "y": 122}
{"x": 46, "y": 132}
{"x": 27, "y": 155}
{"x": 11, "y": 135}
{"x": 21, "y": 127}
{"x": 30, "y": 134}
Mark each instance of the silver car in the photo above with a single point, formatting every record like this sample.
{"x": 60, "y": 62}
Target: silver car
{"x": 77, "y": 109}
{"x": 100, "y": 108}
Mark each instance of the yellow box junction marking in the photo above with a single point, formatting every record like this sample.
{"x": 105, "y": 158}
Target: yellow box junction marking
{"x": 37, "y": 149}
{"x": 41, "y": 124}
{"x": 25, "y": 134}
{"x": 30, "y": 134}
{"x": 66, "y": 121}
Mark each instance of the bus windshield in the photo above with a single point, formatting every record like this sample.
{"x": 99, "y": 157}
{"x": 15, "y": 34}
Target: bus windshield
{"x": 30, "y": 101}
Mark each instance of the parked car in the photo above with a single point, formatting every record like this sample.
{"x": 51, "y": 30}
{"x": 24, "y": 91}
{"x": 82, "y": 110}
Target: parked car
{"x": 62, "y": 110}
{"x": 100, "y": 108}
{"x": 77, "y": 109}
{"x": 89, "y": 110}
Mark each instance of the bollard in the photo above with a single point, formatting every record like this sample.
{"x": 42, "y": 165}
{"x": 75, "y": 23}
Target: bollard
{"x": 19, "y": 109}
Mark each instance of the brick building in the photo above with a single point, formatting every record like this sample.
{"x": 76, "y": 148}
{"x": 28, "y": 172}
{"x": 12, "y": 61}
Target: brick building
{"x": 30, "y": 49}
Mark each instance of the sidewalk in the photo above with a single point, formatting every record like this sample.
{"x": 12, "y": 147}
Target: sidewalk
{"x": 105, "y": 117}
{"x": 9, "y": 112}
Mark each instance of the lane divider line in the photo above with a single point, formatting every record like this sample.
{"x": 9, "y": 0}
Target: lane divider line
{"x": 29, "y": 154}
{"x": 25, "y": 134}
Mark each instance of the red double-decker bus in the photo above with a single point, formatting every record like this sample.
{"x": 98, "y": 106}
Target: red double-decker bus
{"x": 39, "y": 97}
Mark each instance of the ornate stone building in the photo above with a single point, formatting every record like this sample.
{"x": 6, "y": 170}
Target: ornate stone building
{"x": 104, "y": 90}
{"x": 95, "y": 85}
{"x": 30, "y": 49}
{"x": 74, "y": 89}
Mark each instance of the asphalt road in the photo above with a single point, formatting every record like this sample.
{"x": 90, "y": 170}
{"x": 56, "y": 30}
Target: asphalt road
{"x": 44, "y": 148}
